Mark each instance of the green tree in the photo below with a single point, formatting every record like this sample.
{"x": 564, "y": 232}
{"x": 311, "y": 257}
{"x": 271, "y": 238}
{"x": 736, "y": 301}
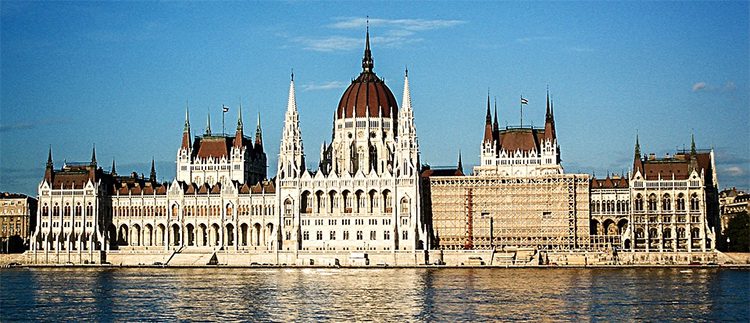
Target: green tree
{"x": 738, "y": 232}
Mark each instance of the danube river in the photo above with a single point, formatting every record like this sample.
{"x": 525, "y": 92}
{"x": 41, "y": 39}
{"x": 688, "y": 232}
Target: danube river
{"x": 374, "y": 294}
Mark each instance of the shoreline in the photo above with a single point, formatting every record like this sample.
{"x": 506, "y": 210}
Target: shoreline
{"x": 682, "y": 266}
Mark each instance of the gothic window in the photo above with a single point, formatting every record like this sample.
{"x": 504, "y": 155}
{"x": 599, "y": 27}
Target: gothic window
{"x": 387, "y": 201}
{"x": 346, "y": 235}
{"x": 405, "y": 235}
{"x": 681, "y": 202}
{"x": 373, "y": 235}
{"x": 386, "y": 235}
{"x": 319, "y": 235}
{"x": 359, "y": 235}
{"x": 306, "y": 235}
{"x": 333, "y": 235}
{"x": 639, "y": 202}
{"x": 405, "y": 206}
{"x": 45, "y": 210}
{"x": 66, "y": 210}
{"x": 694, "y": 203}
{"x": 78, "y": 210}
{"x": 652, "y": 202}
{"x": 89, "y": 209}
{"x": 695, "y": 233}
{"x": 666, "y": 203}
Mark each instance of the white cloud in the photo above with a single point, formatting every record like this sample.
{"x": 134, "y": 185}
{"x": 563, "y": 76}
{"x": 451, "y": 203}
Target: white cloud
{"x": 534, "y": 39}
{"x": 734, "y": 171}
{"x": 391, "y": 33}
{"x": 404, "y": 24}
{"x": 323, "y": 86}
{"x": 581, "y": 49}
{"x": 329, "y": 44}
{"x": 729, "y": 86}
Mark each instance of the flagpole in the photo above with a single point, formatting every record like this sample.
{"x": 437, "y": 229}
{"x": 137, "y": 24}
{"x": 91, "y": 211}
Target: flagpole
{"x": 223, "y": 112}
{"x": 521, "y": 102}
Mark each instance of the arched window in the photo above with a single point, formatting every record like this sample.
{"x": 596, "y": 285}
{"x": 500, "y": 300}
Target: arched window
{"x": 681, "y": 202}
{"x": 405, "y": 206}
{"x": 89, "y": 210}
{"x": 45, "y": 210}
{"x": 66, "y": 210}
{"x": 78, "y": 210}
{"x": 639, "y": 202}
{"x": 288, "y": 205}
{"x": 666, "y": 203}
{"x": 694, "y": 203}
{"x": 652, "y": 202}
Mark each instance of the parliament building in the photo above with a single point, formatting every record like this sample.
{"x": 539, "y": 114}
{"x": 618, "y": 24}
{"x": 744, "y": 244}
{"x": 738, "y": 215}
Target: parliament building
{"x": 371, "y": 201}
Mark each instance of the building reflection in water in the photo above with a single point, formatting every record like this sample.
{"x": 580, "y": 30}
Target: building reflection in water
{"x": 265, "y": 294}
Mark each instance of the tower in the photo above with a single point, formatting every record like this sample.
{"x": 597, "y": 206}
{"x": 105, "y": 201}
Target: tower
{"x": 291, "y": 152}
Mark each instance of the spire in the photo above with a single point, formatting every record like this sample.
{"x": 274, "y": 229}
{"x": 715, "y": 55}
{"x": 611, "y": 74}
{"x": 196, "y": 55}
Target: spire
{"x": 637, "y": 147}
{"x": 239, "y": 134}
{"x": 187, "y": 119}
{"x": 258, "y": 133}
{"x": 488, "y": 135}
{"x": 93, "y": 155}
{"x": 239, "y": 116}
{"x": 460, "y": 164}
{"x": 186, "y": 130}
{"x": 152, "y": 176}
{"x": 292, "y": 102}
{"x": 367, "y": 62}
{"x": 637, "y": 161}
{"x": 208, "y": 123}
{"x": 406, "y": 101}
{"x": 495, "y": 125}
{"x": 549, "y": 107}
{"x": 693, "y": 151}
{"x": 549, "y": 120}
{"x": 49, "y": 157}
{"x": 49, "y": 170}
{"x": 114, "y": 171}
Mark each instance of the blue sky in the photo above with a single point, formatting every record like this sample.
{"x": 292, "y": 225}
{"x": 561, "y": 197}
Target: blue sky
{"x": 119, "y": 75}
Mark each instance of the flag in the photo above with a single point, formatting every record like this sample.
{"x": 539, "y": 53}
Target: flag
{"x": 224, "y": 108}
{"x": 524, "y": 101}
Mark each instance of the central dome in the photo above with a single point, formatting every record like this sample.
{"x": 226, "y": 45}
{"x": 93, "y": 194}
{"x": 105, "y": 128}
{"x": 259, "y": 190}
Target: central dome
{"x": 367, "y": 95}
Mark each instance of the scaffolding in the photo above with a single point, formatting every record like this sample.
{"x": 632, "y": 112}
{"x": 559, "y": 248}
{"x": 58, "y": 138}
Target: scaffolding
{"x": 478, "y": 212}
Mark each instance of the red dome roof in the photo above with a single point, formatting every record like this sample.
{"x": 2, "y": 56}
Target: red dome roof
{"x": 368, "y": 94}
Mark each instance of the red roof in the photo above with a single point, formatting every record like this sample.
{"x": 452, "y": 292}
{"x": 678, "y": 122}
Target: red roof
{"x": 524, "y": 139}
{"x": 677, "y": 166}
{"x": 367, "y": 91}
{"x": 213, "y": 146}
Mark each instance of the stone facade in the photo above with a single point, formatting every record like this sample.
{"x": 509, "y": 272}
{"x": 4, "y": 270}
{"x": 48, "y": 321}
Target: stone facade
{"x": 17, "y": 221}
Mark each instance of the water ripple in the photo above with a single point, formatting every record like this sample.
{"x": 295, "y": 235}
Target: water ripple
{"x": 452, "y": 295}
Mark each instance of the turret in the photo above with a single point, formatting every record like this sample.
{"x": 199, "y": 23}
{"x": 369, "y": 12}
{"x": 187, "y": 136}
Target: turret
{"x": 238, "y": 135}
{"x": 49, "y": 170}
{"x": 291, "y": 153}
{"x": 93, "y": 156}
{"x": 258, "y": 135}
{"x": 152, "y": 176}
{"x": 637, "y": 159}
{"x": 549, "y": 122}
{"x": 488, "y": 134}
{"x": 208, "y": 124}
{"x": 186, "y": 144}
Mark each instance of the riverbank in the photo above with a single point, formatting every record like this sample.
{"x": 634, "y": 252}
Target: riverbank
{"x": 419, "y": 259}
